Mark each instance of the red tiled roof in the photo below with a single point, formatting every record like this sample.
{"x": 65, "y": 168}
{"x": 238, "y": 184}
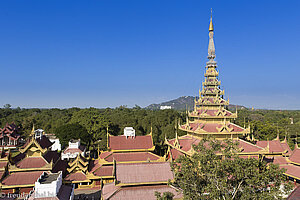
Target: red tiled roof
{"x": 295, "y": 156}
{"x": 175, "y": 154}
{"x": 144, "y": 172}
{"x": 280, "y": 160}
{"x": 274, "y": 146}
{"x": 212, "y": 112}
{"x": 212, "y": 127}
{"x": 22, "y": 178}
{"x": 292, "y": 170}
{"x": 10, "y": 130}
{"x": 211, "y": 100}
{"x": 93, "y": 165}
{"x": 108, "y": 190}
{"x": 185, "y": 142}
{"x": 122, "y": 142}
{"x": 31, "y": 162}
{"x": 105, "y": 154}
{"x": 78, "y": 176}
{"x": 285, "y": 146}
{"x": 138, "y": 192}
{"x": 248, "y": 147}
{"x": 131, "y": 156}
{"x": 3, "y": 164}
{"x": 105, "y": 170}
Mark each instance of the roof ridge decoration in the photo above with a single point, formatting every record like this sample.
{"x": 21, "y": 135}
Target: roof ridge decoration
{"x": 285, "y": 140}
{"x": 83, "y": 168}
{"x": 79, "y": 159}
{"x": 32, "y": 131}
{"x": 33, "y": 141}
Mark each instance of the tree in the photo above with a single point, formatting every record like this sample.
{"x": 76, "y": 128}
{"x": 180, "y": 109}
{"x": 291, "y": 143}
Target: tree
{"x": 7, "y": 106}
{"x": 215, "y": 171}
{"x": 71, "y": 131}
{"x": 165, "y": 196}
{"x": 95, "y": 124}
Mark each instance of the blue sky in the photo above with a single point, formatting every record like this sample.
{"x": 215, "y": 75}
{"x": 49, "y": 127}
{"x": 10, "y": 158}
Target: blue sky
{"x": 111, "y": 53}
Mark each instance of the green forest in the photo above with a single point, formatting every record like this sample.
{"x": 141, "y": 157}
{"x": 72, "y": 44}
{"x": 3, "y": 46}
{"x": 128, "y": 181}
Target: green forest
{"x": 91, "y": 124}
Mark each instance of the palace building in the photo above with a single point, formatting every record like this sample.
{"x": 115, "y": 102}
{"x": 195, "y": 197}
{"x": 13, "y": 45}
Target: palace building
{"x": 211, "y": 118}
{"x": 9, "y": 136}
{"x": 132, "y": 148}
{"x": 91, "y": 173}
{"x": 24, "y": 169}
{"x": 137, "y": 172}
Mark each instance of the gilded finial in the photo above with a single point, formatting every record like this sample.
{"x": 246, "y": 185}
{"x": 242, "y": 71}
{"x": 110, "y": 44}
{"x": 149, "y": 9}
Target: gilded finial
{"x": 32, "y": 131}
{"x": 211, "y": 26}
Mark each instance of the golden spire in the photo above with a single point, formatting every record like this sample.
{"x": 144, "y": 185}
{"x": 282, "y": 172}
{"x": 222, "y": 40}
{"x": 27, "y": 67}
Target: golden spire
{"x": 211, "y": 26}
{"x": 32, "y": 131}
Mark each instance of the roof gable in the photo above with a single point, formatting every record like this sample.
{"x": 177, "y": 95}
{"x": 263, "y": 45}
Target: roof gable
{"x": 32, "y": 143}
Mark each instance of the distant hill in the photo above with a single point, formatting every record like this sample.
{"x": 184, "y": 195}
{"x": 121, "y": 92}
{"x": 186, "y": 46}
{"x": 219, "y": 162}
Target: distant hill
{"x": 181, "y": 103}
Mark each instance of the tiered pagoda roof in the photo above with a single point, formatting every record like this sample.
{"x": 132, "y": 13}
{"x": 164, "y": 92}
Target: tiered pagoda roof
{"x": 184, "y": 146}
{"x": 9, "y": 136}
{"x": 78, "y": 170}
{"x": 210, "y": 116}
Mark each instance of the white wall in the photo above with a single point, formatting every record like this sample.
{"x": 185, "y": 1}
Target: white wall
{"x": 56, "y": 145}
{"x": 48, "y": 190}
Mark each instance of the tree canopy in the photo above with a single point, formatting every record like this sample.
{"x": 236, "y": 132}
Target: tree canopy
{"x": 72, "y": 131}
{"x": 164, "y": 196}
{"x": 265, "y": 124}
{"x": 215, "y": 171}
